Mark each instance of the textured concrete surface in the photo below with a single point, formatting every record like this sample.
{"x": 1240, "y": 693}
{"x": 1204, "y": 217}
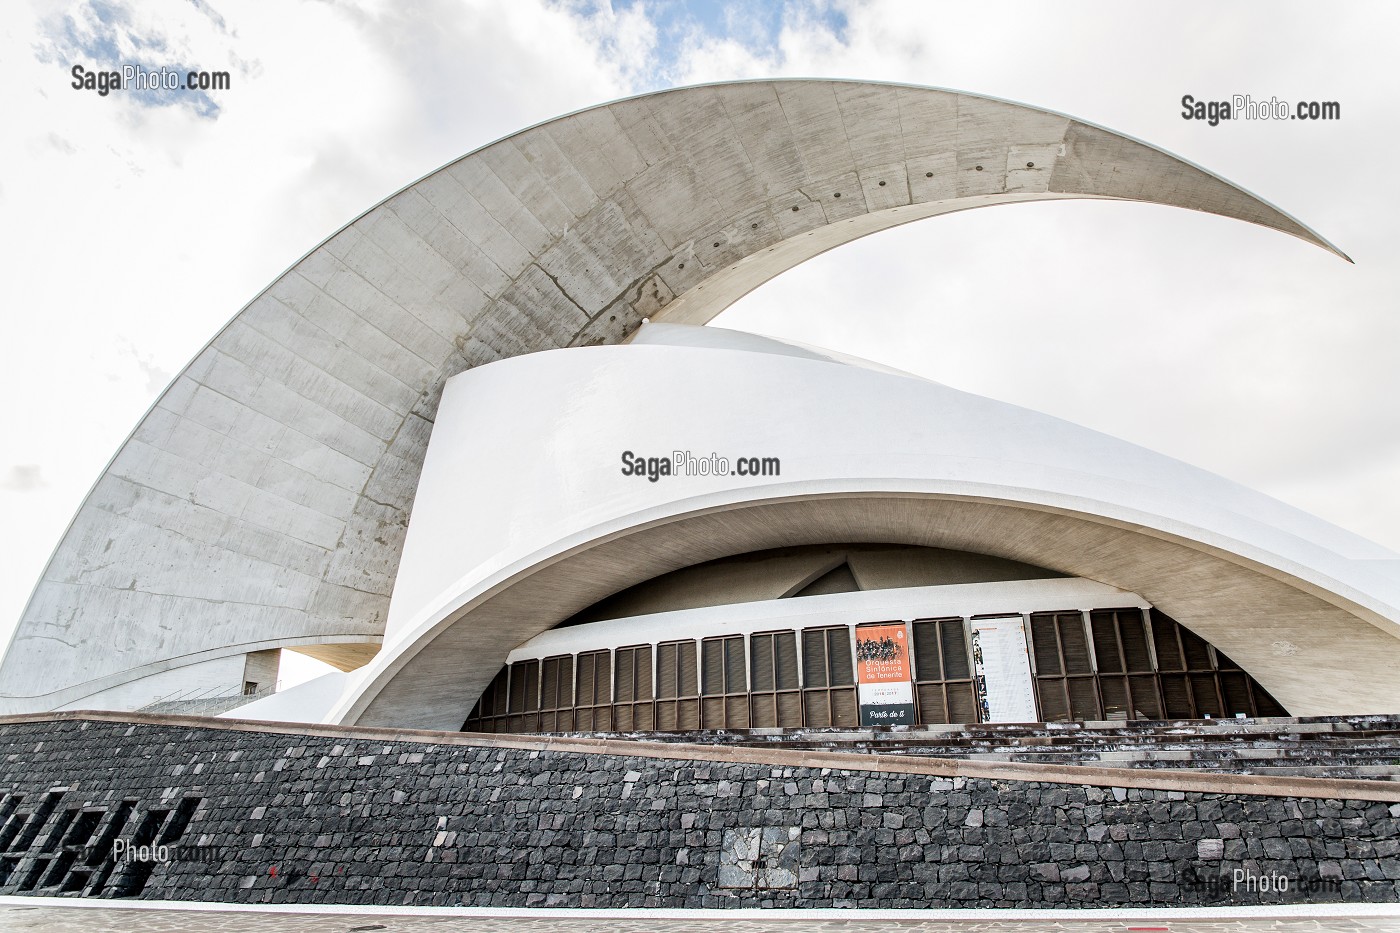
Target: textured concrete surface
{"x": 273, "y": 479}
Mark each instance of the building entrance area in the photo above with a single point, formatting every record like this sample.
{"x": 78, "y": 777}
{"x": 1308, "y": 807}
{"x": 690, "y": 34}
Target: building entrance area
{"x": 1055, "y": 666}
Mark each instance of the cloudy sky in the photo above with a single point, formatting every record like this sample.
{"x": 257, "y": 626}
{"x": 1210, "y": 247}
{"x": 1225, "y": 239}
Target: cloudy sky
{"x": 135, "y": 225}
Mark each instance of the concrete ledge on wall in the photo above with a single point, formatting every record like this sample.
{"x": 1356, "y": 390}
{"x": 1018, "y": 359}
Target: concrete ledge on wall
{"x": 1083, "y": 775}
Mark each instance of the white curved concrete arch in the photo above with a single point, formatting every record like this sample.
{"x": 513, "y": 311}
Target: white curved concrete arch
{"x": 1298, "y": 645}
{"x": 264, "y": 497}
{"x": 866, "y": 456}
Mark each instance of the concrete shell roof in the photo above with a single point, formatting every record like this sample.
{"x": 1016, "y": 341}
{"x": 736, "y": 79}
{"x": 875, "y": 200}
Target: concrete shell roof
{"x": 262, "y": 501}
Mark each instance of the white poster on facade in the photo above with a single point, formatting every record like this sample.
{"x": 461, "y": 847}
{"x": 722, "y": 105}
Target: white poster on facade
{"x": 1005, "y": 688}
{"x": 886, "y": 704}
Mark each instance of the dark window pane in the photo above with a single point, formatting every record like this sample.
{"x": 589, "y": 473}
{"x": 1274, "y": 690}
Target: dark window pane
{"x": 818, "y": 708}
{"x": 666, "y": 669}
{"x": 932, "y": 708}
{"x": 626, "y": 680}
{"x": 549, "y": 684}
{"x": 1083, "y": 699}
{"x": 736, "y": 712}
{"x": 955, "y": 663}
{"x": 1076, "y": 646}
{"x": 666, "y": 715}
{"x": 1047, "y": 649}
{"x": 1164, "y": 640}
{"x": 1130, "y": 629}
{"x": 814, "y": 658}
{"x": 689, "y": 673}
{"x": 764, "y": 710}
{"x": 1145, "y": 699}
{"x": 517, "y": 688}
{"x": 734, "y": 679}
{"x": 927, "y": 665}
{"x": 761, "y": 655}
{"x": 498, "y": 692}
{"x": 844, "y": 712}
{"x": 595, "y": 679}
{"x": 838, "y": 648}
{"x": 688, "y": 714}
{"x": 712, "y": 663}
{"x": 1197, "y": 654}
{"x": 789, "y": 710}
{"x": 1176, "y": 695}
{"x": 785, "y": 651}
{"x": 532, "y": 686}
{"x": 1236, "y": 689}
{"x": 962, "y": 704}
{"x": 1106, "y": 644}
{"x": 586, "y": 682}
{"x": 1115, "y": 698}
{"x": 1053, "y": 705}
{"x": 566, "y": 682}
{"x": 643, "y": 678}
{"x": 1203, "y": 689}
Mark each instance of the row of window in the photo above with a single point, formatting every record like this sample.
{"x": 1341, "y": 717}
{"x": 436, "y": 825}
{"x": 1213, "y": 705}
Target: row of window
{"x": 1106, "y": 664}
{"x": 1116, "y": 664}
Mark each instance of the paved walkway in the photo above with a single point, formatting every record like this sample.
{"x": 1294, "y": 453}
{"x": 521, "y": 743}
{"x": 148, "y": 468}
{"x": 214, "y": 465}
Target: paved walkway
{"x": 57, "y": 919}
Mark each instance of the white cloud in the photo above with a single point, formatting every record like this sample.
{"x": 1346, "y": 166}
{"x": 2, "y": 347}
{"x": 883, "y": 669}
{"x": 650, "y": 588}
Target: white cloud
{"x": 22, "y": 478}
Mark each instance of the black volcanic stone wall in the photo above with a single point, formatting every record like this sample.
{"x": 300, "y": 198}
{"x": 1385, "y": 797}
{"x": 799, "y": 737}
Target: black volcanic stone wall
{"x": 288, "y": 818}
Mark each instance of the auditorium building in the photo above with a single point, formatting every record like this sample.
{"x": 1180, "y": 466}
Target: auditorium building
{"x": 480, "y": 452}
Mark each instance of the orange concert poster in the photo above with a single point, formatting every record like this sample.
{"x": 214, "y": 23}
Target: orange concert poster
{"x": 882, "y": 654}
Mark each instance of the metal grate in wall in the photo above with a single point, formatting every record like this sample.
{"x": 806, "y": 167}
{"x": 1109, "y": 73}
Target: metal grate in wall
{"x": 84, "y": 851}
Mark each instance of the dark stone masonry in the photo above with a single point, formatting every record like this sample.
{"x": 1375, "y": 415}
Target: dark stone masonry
{"x": 228, "y": 815}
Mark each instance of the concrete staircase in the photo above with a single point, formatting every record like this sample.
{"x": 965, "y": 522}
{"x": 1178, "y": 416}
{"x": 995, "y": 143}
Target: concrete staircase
{"x": 1358, "y": 747}
{"x": 206, "y": 701}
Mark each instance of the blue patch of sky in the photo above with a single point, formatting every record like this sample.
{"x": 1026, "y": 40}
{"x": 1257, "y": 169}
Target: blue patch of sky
{"x": 756, "y": 24}
{"x": 106, "y": 40}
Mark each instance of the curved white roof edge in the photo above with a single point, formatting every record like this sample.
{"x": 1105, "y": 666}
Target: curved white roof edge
{"x": 989, "y": 446}
{"x": 1232, "y": 564}
{"x": 723, "y": 338}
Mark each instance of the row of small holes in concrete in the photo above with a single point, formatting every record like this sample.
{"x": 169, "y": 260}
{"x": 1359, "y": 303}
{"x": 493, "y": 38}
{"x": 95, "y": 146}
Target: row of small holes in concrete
{"x": 882, "y": 184}
{"x": 796, "y": 207}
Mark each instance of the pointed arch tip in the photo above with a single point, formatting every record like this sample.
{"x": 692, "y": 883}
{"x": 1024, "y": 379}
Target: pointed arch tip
{"x": 1310, "y": 236}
